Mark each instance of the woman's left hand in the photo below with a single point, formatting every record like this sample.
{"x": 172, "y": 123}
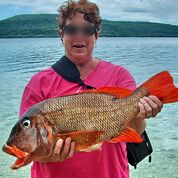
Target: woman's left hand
{"x": 149, "y": 107}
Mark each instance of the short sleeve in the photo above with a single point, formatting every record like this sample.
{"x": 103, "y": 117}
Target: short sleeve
{"x": 125, "y": 79}
{"x": 36, "y": 90}
{"x": 32, "y": 94}
{"x": 29, "y": 98}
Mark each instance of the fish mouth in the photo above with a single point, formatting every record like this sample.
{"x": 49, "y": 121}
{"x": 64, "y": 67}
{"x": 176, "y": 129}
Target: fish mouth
{"x": 22, "y": 156}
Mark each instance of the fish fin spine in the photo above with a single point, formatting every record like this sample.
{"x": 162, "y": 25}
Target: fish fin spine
{"x": 127, "y": 135}
{"x": 119, "y": 92}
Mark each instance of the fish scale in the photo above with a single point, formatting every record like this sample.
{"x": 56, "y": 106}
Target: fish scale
{"x": 89, "y": 118}
{"x": 88, "y": 111}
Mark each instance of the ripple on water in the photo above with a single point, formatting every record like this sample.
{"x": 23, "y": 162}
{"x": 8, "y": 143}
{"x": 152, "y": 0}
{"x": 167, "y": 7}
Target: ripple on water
{"x": 143, "y": 57}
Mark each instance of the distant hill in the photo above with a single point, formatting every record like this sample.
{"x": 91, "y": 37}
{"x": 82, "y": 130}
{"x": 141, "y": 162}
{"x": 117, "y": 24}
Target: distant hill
{"x": 45, "y": 25}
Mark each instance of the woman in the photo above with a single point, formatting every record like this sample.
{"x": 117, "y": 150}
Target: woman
{"x": 79, "y": 25}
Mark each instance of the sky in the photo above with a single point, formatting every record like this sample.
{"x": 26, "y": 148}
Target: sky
{"x": 161, "y": 11}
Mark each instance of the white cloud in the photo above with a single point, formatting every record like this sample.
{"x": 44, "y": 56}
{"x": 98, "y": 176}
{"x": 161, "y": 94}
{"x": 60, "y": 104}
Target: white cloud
{"x": 16, "y": 8}
{"x": 165, "y": 11}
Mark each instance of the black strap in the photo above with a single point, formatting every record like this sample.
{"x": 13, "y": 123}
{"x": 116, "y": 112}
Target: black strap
{"x": 67, "y": 69}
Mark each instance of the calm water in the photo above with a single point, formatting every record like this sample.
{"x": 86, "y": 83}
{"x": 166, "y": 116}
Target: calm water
{"x": 143, "y": 57}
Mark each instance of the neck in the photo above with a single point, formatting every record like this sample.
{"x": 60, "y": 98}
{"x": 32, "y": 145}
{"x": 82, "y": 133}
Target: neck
{"x": 85, "y": 67}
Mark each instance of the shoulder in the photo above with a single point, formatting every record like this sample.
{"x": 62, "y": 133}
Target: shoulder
{"x": 109, "y": 65}
{"x": 43, "y": 82}
{"x": 44, "y": 74}
{"x": 43, "y": 77}
{"x": 115, "y": 68}
{"x": 122, "y": 75}
{"x": 38, "y": 88}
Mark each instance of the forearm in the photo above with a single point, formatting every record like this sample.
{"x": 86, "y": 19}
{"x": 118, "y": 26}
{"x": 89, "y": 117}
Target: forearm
{"x": 149, "y": 107}
{"x": 138, "y": 124}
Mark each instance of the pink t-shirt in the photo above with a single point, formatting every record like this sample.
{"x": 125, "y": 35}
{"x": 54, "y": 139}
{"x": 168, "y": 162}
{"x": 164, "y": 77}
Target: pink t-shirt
{"x": 111, "y": 161}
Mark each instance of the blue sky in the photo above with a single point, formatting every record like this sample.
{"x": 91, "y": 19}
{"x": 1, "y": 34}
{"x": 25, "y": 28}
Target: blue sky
{"x": 162, "y": 11}
{"x": 10, "y": 10}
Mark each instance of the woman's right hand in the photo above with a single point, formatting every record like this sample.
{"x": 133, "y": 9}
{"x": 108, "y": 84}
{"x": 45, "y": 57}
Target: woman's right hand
{"x": 63, "y": 150}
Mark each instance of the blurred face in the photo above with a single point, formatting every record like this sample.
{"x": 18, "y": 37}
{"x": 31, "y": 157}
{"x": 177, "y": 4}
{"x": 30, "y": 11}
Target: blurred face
{"x": 78, "y": 38}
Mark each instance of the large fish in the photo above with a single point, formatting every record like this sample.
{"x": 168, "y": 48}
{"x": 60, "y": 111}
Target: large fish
{"x": 89, "y": 118}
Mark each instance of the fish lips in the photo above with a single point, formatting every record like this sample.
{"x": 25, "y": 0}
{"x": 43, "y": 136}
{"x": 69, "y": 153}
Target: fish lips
{"x": 23, "y": 158}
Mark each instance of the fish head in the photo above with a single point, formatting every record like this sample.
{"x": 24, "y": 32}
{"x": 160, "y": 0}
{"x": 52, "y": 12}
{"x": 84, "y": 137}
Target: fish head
{"x": 29, "y": 140}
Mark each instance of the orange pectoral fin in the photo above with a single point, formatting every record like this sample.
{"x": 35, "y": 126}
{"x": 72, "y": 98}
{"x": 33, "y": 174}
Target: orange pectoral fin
{"x": 127, "y": 135}
{"x": 84, "y": 140}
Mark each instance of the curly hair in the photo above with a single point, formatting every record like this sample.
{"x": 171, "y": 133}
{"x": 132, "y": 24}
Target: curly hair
{"x": 71, "y": 7}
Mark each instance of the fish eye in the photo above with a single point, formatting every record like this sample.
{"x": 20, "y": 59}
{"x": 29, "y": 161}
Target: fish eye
{"x": 26, "y": 123}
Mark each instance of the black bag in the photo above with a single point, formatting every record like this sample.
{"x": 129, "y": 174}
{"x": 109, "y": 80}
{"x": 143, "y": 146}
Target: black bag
{"x": 136, "y": 152}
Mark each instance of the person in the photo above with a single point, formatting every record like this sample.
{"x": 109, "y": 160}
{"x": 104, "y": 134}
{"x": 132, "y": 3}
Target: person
{"x": 79, "y": 28}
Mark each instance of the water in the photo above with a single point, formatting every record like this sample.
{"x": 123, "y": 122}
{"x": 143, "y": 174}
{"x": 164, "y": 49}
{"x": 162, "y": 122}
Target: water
{"x": 143, "y": 57}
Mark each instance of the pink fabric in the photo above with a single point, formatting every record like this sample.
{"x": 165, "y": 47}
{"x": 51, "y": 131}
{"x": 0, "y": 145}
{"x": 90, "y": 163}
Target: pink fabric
{"x": 111, "y": 161}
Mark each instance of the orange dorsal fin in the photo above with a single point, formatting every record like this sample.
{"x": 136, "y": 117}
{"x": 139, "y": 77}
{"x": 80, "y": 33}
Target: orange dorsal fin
{"x": 119, "y": 92}
{"x": 127, "y": 135}
{"x": 84, "y": 140}
{"x": 162, "y": 86}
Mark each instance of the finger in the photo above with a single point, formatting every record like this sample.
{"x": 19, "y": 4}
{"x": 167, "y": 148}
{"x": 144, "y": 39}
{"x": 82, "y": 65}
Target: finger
{"x": 157, "y": 101}
{"x": 147, "y": 107}
{"x": 142, "y": 112}
{"x": 58, "y": 147}
{"x": 152, "y": 105}
{"x": 56, "y": 152}
{"x": 66, "y": 148}
{"x": 72, "y": 150}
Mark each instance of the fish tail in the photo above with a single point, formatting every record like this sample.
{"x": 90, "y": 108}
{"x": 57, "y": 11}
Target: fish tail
{"x": 162, "y": 86}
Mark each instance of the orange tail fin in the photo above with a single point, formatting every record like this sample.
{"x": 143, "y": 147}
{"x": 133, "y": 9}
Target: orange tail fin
{"x": 162, "y": 86}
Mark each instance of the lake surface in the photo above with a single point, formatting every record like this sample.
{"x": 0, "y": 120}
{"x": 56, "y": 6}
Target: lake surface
{"x": 143, "y": 57}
